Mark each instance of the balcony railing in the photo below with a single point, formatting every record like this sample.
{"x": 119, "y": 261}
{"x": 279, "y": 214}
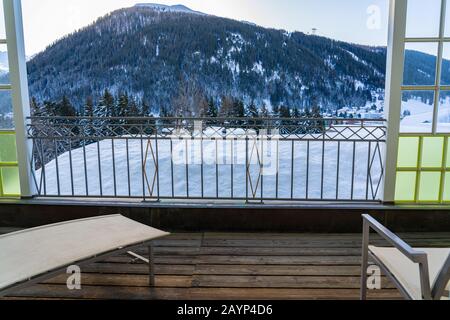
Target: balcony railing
{"x": 252, "y": 160}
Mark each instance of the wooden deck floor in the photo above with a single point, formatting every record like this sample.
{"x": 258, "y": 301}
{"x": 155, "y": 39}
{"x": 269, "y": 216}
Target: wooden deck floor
{"x": 234, "y": 266}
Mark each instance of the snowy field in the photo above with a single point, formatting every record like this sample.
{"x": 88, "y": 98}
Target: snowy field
{"x": 298, "y": 172}
{"x": 421, "y": 118}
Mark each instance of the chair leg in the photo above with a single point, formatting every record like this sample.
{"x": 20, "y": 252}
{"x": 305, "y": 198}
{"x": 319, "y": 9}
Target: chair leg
{"x": 365, "y": 260}
{"x": 151, "y": 266}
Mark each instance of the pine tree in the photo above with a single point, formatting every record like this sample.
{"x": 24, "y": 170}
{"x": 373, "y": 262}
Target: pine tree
{"x": 145, "y": 108}
{"x": 284, "y": 112}
{"x": 238, "y": 108}
{"x": 65, "y": 108}
{"x": 276, "y": 111}
{"x": 252, "y": 111}
{"x": 226, "y": 108}
{"x": 213, "y": 112}
{"x": 89, "y": 107}
{"x": 123, "y": 106}
{"x": 106, "y": 107}
{"x": 296, "y": 114}
{"x": 264, "y": 111}
{"x": 89, "y": 112}
{"x": 35, "y": 108}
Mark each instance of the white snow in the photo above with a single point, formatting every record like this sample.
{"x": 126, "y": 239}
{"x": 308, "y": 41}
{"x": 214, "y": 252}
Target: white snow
{"x": 422, "y": 113}
{"x": 187, "y": 154}
{"x": 355, "y": 57}
{"x": 213, "y": 60}
{"x": 166, "y": 8}
{"x": 258, "y": 68}
{"x": 359, "y": 85}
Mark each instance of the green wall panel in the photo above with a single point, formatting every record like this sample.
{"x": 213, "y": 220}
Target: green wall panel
{"x": 446, "y": 197}
{"x": 405, "y": 187}
{"x": 8, "y": 151}
{"x": 432, "y": 152}
{"x": 10, "y": 181}
{"x": 423, "y": 174}
{"x": 408, "y": 153}
{"x": 9, "y": 172}
{"x": 429, "y": 189}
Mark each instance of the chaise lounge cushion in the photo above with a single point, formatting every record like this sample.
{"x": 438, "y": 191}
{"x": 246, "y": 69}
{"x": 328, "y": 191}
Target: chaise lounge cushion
{"x": 407, "y": 272}
{"x": 30, "y": 253}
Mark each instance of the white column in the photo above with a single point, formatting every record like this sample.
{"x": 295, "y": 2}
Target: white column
{"x": 19, "y": 94}
{"x": 393, "y": 100}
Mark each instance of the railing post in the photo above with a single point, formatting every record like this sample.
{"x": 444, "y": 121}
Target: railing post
{"x": 20, "y": 95}
{"x": 393, "y": 100}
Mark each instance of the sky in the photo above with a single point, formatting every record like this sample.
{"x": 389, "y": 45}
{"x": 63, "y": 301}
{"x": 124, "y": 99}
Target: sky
{"x": 357, "y": 21}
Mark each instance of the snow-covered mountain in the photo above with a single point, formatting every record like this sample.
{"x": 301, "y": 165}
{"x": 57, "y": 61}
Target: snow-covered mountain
{"x": 163, "y": 54}
{"x": 156, "y": 53}
{"x": 166, "y": 8}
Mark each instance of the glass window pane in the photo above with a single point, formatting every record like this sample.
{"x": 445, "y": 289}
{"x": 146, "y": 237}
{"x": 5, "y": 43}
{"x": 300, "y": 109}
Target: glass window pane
{"x": 2, "y": 22}
{"x": 4, "y": 65}
{"x": 430, "y": 183}
{"x": 408, "y": 152}
{"x": 420, "y": 64}
{"x": 8, "y": 151}
{"x": 447, "y": 187}
{"x": 423, "y": 18}
{"x": 445, "y": 78}
{"x": 432, "y": 152}
{"x": 6, "y": 112}
{"x": 405, "y": 186}
{"x": 448, "y": 154}
{"x": 447, "y": 21}
{"x": 444, "y": 112}
{"x": 10, "y": 179}
{"x": 417, "y": 111}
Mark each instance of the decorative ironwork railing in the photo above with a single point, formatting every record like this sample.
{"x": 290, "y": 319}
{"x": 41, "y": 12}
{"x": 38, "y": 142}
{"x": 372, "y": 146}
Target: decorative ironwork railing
{"x": 208, "y": 158}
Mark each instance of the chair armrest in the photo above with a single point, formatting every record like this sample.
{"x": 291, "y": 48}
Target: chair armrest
{"x": 412, "y": 254}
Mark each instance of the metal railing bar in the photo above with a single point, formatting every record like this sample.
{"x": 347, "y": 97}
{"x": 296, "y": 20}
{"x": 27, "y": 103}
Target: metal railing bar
{"x": 338, "y": 169}
{"x": 72, "y": 133}
{"x": 353, "y": 171}
{"x": 99, "y": 168}
{"x": 114, "y": 167}
{"x": 292, "y": 168}
{"x": 71, "y": 168}
{"x": 57, "y": 167}
{"x": 127, "y": 147}
{"x": 86, "y": 181}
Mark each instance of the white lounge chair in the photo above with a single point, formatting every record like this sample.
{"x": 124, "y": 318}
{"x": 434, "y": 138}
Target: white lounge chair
{"x": 419, "y": 274}
{"x": 31, "y": 256}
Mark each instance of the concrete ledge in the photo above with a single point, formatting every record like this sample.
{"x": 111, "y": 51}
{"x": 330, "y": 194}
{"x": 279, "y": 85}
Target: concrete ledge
{"x": 229, "y": 217}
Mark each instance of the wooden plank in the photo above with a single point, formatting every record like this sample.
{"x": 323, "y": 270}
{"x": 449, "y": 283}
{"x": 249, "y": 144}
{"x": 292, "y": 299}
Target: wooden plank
{"x": 250, "y": 260}
{"x": 330, "y": 243}
{"x": 127, "y": 280}
{"x": 141, "y": 293}
{"x": 177, "y": 243}
{"x": 309, "y": 282}
{"x": 283, "y": 260}
{"x": 116, "y": 268}
{"x": 254, "y": 251}
{"x": 277, "y": 270}
{"x": 234, "y": 266}
{"x": 184, "y": 260}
